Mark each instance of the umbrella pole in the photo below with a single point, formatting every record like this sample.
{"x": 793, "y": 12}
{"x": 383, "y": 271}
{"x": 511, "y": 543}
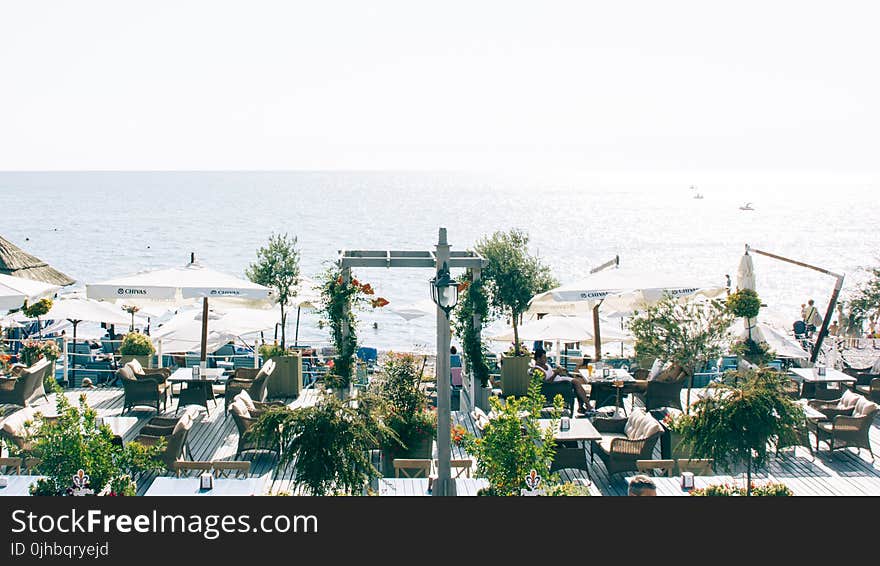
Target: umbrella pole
{"x": 597, "y": 338}
{"x": 296, "y": 334}
{"x": 73, "y": 373}
{"x": 204, "y": 352}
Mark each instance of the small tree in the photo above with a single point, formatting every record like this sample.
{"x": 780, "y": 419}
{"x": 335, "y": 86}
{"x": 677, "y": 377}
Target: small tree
{"x": 37, "y": 310}
{"x": 512, "y": 445}
{"x": 686, "y": 333}
{"x": 735, "y": 424}
{"x": 513, "y": 276}
{"x": 745, "y": 303}
{"x": 277, "y": 267}
{"x": 73, "y": 441}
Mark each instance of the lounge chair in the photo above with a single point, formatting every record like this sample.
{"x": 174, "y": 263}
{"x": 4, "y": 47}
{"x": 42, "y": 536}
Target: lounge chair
{"x": 27, "y": 387}
{"x": 412, "y": 468}
{"x": 14, "y": 429}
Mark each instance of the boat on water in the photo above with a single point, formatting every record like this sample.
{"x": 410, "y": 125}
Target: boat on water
{"x": 698, "y": 196}
{"x": 747, "y": 206}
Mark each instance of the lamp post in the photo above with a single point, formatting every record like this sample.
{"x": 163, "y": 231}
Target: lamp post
{"x": 444, "y": 292}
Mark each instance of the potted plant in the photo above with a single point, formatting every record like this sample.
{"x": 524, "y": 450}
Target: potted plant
{"x": 34, "y": 350}
{"x": 327, "y": 444}
{"x": 513, "y": 277}
{"x": 74, "y": 441}
{"x": 513, "y": 444}
{"x": 685, "y": 333}
{"x": 404, "y": 409}
{"x": 277, "y": 267}
{"x": 675, "y": 422}
{"x": 734, "y": 425}
{"x": 137, "y": 346}
{"x": 287, "y": 378}
{"x": 37, "y": 310}
{"x": 757, "y": 353}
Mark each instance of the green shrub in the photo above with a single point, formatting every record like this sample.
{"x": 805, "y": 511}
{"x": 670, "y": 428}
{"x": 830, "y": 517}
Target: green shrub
{"x": 744, "y": 303}
{"x": 136, "y": 344}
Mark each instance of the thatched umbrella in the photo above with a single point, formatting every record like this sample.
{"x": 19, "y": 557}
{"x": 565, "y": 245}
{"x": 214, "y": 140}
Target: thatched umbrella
{"x": 15, "y": 261}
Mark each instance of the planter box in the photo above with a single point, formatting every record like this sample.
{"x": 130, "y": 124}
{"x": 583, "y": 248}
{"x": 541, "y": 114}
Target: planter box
{"x": 481, "y": 397}
{"x": 146, "y": 361}
{"x": 515, "y": 376}
{"x": 286, "y": 380}
{"x": 423, "y": 451}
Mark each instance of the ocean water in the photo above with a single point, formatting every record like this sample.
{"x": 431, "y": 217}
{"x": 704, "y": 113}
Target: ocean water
{"x": 95, "y": 225}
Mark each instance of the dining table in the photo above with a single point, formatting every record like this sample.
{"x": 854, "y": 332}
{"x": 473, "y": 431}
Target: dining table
{"x": 816, "y": 381}
{"x": 18, "y": 485}
{"x": 171, "y": 486}
{"x": 197, "y": 389}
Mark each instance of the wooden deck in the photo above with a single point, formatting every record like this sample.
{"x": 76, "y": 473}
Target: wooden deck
{"x": 214, "y": 437}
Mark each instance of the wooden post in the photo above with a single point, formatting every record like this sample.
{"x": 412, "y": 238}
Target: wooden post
{"x": 476, "y": 274}
{"x": 204, "y": 357}
{"x": 597, "y": 338}
{"x": 834, "y": 296}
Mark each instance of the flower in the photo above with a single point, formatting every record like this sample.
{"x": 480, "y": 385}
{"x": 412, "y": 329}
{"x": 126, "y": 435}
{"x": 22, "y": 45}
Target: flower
{"x": 367, "y": 289}
{"x": 458, "y": 434}
{"x": 378, "y": 303}
{"x": 463, "y": 286}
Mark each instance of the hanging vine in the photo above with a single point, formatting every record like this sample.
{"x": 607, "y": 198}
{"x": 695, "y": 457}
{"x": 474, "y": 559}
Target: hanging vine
{"x": 473, "y": 301}
{"x": 340, "y": 301}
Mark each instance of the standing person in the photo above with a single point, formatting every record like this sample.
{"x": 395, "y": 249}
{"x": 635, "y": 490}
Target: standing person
{"x": 558, "y": 374}
{"x": 833, "y": 329}
{"x": 812, "y": 317}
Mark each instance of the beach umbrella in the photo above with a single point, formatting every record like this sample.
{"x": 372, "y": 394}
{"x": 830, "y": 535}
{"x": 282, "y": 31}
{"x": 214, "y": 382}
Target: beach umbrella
{"x": 82, "y": 309}
{"x": 620, "y": 291}
{"x": 412, "y": 311}
{"x": 182, "y": 333}
{"x": 305, "y": 296}
{"x": 179, "y": 286}
{"x": 557, "y": 328}
{"x": 745, "y": 279}
{"x": 778, "y": 341}
{"x": 14, "y": 291}
{"x": 16, "y": 262}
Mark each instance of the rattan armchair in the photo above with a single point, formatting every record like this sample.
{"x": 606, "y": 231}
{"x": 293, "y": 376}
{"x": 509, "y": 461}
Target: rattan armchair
{"x": 245, "y": 418}
{"x": 176, "y": 446}
{"x": 867, "y": 383}
{"x": 149, "y": 391}
{"x": 625, "y": 441}
{"x": 27, "y": 387}
{"x": 254, "y": 381}
{"x": 845, "y": 431}
{"x": 842, "y": 406}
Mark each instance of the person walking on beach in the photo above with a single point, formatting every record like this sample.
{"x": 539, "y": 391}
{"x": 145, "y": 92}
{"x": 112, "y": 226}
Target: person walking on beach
{"x": 559, "y": 374}
{"x": 812, "y": 317}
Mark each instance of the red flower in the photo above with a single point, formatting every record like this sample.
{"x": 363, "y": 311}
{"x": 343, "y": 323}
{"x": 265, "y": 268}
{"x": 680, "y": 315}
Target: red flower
{"x": 463, "y": 285}
{"x": 367, "y": 289}
{"x": 355, "y": 282}
{"x": 380, "y": 302}
{"x": 339, "y": 280}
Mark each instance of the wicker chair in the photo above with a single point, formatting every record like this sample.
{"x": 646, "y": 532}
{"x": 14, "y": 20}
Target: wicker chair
{"x": 27, "y": 387}
{"x": 564, "y": 388}
{"x": 625, "y": 441}
{"x": 254, "y": 381}
{"x": 867, "y": 383}
{"x": 245, "y": 418}
{"x": 849, "y": 430}
{"x": 836, "y": 407}
{"x": 14, "y": 431}
{"x": 148, "y": 389}
{"x": 176, "y": 439}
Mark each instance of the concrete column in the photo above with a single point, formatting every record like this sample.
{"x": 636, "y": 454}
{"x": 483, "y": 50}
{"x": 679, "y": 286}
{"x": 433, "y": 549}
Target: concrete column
{"x": 444, "y": 485}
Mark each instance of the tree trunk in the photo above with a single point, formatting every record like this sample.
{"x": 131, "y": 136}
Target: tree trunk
{"x": 515, "y": 337}
{"x": 749, "y": 477}
{"x": 283, "y": 324}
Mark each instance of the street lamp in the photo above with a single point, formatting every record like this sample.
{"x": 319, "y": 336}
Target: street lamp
{"x": 444, "y": 290}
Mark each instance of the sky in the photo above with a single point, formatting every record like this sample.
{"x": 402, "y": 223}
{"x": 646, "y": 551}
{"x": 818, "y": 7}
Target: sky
{"x": 641, "y": 87}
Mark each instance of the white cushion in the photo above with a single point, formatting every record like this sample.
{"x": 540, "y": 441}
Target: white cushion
{"x": 14, "y": 423}
{"x": 185, "y": 422}
{"x": 239, "y": 408}
{"x": 136, "y": 366}
{"x": 632, "y": 423}
{"x": 245, "y": 398}
{"x": 863, "y": 407}
{"x": 656, "y": 368}
{"x": 848, "y": 400}
{"x": 876, "y": 367}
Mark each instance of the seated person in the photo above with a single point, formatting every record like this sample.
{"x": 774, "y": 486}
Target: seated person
{"x": 558, "y": 374}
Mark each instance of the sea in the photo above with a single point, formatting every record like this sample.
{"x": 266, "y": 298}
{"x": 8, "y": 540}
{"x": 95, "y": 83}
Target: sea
{"x": 98, "y": 225}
